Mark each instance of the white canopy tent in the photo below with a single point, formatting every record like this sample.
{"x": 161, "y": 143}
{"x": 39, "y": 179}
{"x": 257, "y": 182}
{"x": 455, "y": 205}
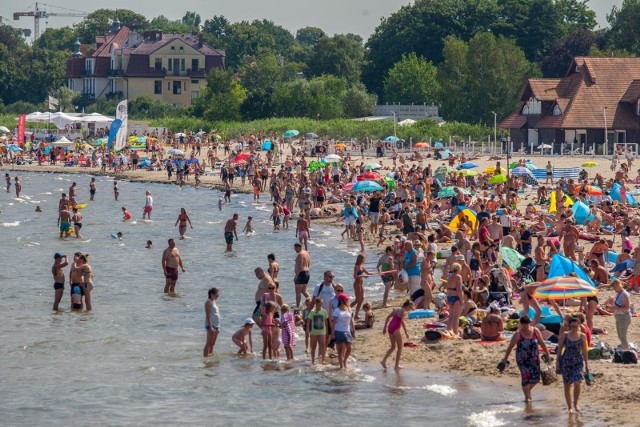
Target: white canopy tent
{"x": 61, "y": 120}
{"x": 63, "y": 142}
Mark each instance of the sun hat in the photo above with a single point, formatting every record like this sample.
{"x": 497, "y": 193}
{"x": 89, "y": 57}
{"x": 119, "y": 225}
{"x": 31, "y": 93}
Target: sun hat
{"x": 249, "y": 321}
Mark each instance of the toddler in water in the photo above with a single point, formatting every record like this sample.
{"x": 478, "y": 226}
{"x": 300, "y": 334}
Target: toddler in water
{"x": 267, "y": 331}
{"x": 239, "y": 337}
{"x": 220, "y": 203}
{"x": 149, "y": 245}
{"x": 395, "y": 337}
{"x": 369, "y": 317}
{"x": 288, "y": 326}
{"x": 248, "y": 227}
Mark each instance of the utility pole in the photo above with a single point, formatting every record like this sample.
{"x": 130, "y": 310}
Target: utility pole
{"x": 605, "y": 147}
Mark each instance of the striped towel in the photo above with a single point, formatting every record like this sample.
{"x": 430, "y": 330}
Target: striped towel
{"x": 557, "y": 173}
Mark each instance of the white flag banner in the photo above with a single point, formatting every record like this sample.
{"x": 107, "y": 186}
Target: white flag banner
{"x": 122, "y": 113}
{"x": 53, "y": 103}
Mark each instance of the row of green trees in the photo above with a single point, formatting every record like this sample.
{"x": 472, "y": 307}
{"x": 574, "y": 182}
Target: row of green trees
{"x": 470, "y": 57}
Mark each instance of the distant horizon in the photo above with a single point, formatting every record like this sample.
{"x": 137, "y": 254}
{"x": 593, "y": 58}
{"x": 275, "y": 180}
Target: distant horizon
{"x": 359, "y": 17}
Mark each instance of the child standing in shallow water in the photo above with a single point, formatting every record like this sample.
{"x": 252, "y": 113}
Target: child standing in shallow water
{"x": 212, "y": 321}
{"x": 397, "y": 320}
{"x": 267, "y": 334}
{"x": 288, "y": 326}
{"x": 239, "y": 337}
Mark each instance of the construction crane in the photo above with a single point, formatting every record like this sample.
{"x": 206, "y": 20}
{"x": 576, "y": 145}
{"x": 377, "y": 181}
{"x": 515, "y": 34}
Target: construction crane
{"x": 39, "y": 14}
{"x": 25, "y": 31}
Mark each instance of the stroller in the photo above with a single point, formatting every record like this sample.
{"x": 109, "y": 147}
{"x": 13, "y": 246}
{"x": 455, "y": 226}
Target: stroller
{"x": 527, "y": 270}
{"x": 499, "y": 287}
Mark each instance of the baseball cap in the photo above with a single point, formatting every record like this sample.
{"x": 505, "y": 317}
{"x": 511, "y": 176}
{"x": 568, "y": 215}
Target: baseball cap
{"x": 343, "y": 297}
{"x": 249, "y": 321}
{"x": 57, "y": 255}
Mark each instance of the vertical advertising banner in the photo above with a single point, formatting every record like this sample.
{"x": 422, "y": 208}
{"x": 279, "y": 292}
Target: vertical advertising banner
{"x": 122, "y": 112}
{"x": 22, "y": 122}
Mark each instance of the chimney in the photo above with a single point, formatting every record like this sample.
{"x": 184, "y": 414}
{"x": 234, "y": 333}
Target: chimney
{"x": 200, "y": 41}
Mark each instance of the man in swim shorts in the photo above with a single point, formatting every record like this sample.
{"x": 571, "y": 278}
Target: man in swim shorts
{"x": 171, "y": 260}
{"x": 60, "y": 262}
{"x": 301, "y": 277}
{"x": 92, "y": 189}
{"x": 64, "y": 218}
{"x": 230, "y": 231}
{"x": 263, "y": 287}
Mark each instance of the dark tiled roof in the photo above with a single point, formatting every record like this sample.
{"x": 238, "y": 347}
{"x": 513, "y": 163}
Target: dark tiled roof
{"x": 75, "y": 66}
{"x": 593, "y": 88}
{"x": 139, "y": 67}
{"x": 633, "y": 93}
{"x": 119, "y": 39}
{"x": 514, "y": 121}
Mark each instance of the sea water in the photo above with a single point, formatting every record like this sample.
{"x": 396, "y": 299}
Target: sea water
{"x": 136, "y": 359}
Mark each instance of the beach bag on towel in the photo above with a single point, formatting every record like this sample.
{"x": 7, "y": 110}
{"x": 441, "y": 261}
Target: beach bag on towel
{"x": 470, "y": 333}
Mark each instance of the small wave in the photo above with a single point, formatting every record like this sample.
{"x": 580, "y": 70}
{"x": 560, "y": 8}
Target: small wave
{"x": 443, "y": 390}
{"x": 490, "y": 418}
{"x": 47, "y": 193}
{"x": 10, "y": 224}
{"x": 214, "y": 222}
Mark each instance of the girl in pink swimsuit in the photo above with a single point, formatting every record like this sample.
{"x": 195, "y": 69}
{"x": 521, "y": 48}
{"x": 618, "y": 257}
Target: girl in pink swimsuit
{"x": 395, "y": 320}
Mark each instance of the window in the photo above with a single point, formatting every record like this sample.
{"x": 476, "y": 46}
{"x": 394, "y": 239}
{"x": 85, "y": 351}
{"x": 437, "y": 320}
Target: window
{"x": 638, "y": 108}
{"x": 556, "y": 111}
{"x": 194, "y": 64}
{"x": 173, "y": 48}
{"x": 170, "y": 65}
{"x": 157, "y": 87}
{"x": 169, "y": 86}
{"x": 71, "y": 84}
{"x": 182, "y": 64}
{"x": 195, "y": 82}
{"x": 181, "y": 47}
{"x": 177, "y": 87}
{"x": 195, "y": 94}
{"x": 158, "y": 65}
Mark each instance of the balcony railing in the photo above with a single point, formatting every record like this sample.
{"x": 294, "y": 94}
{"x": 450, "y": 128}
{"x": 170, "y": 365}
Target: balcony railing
{"x": 115, "y": 73}
{"x": 87, "y": 96}
{"x": 87, "y": 72}
{"x": 196, "y": 73}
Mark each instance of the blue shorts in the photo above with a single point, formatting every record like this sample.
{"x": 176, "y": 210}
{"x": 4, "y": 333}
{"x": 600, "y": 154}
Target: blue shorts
{"x": 343, "y": 337}
{"x": 452, "y": 299}
{"x": 214, "y": 328}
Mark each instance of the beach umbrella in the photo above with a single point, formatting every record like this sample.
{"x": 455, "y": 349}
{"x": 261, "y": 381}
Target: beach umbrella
{"x": 341, "y": 145}
{"x": 565, "y": 287}
{"x": 544, "y": 147}
{"x": 490, "y": 170}
{"x": 291, "y": 133}
{"x": 451, "y": 191}
{"x": 368, "y": 176}
{"x": 175, "y": 151}
{"x": 141, "y": 139}
{"x": 267, "y": 145}
{"x": 467, "y": 165}
{"x": 468, "y": 172}
{"x": 438, "y": 145}
{"x": 179, "y": 134}
{"x": 594, "y": 190}
{"x": 530, "y": 166}
{"x": 310, "y": 135}
{"x": 372, "y": 166}
{"x": 13, "y": 148}
{"x": 422, "y": 144}
{"x": 367, "y": 186}
{"x": 589, "y": 164}
{"x": 4, "y": 129}
{"x": 348, "y": 186}
{"x": 391, "y": 139}
{"x": 242, "y": 157}
{"x": 520, "y": 170}
{"x": 498, "y": 179}
{"x": 511, "y": 257}
{"x": 132, "y": 138}
{"x": 332, "y": 158}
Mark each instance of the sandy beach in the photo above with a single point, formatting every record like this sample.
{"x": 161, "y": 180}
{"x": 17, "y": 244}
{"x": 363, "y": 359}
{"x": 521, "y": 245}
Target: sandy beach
{"x": 608, "y": 400}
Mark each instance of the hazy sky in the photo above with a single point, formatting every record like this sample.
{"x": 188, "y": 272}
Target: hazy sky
{"x": 333, "y": 16}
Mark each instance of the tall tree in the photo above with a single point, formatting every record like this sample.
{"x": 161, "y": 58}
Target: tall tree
{"x": 58, "y": 39}
{"x": 453, "y": 74}
{"x": 222, "y": 97}
{"x": 412, "y": 80}
{"x": 254, "y": 39}
{"x": 168, "y": 26}
{"x": 192, "y": 20}
{"x": 309, "y": 36}
{"x": 340, "y": 55}
{"x": 575, "y": 15}
{"x": 491, "y": 76}
{"x": 98, "y": 23}
{"x": 578, "y": 43}
{"x": 421, "y": 28}
{"x": 215, "y": 31}
{"x": 623, "y": 22}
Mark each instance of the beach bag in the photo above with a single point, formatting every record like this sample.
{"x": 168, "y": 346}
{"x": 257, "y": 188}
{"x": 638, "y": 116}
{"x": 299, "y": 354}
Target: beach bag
{"x": 629, "y": 357}
{"x": 512, "y": 325}
{"x": 547, "y": 374}
{"x": 595, "y": 354}
{"x": 470, "y": 333}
